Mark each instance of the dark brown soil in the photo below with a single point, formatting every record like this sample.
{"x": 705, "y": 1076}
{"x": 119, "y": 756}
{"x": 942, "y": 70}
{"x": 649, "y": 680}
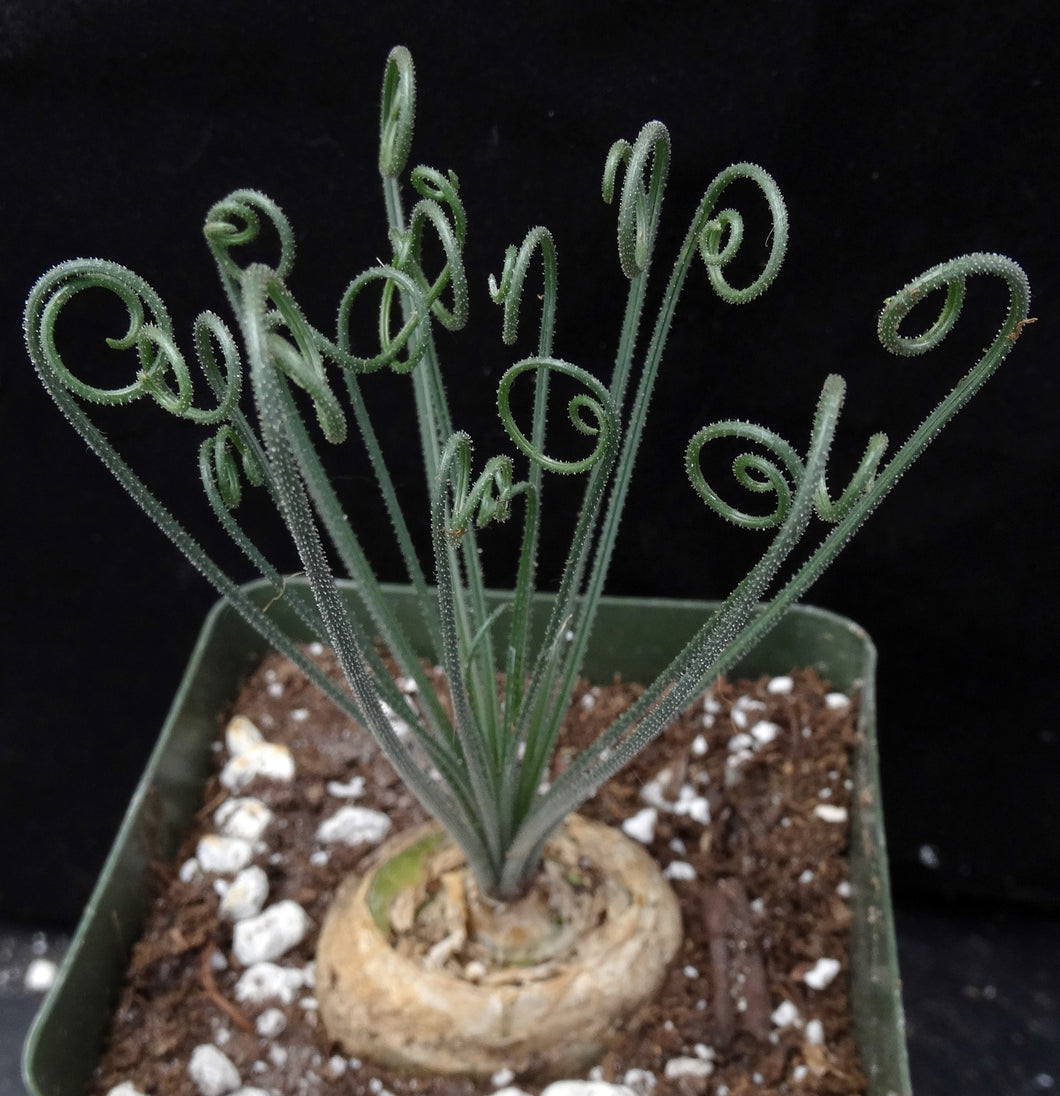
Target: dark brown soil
{"x": 765, "y": 904}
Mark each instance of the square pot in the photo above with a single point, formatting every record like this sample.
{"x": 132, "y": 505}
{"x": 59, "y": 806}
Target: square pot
{"x": 637, "y": 637}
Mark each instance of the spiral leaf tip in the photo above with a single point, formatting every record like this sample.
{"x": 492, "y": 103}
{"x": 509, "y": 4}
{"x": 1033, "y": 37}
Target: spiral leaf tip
{"x": 398, "y": 113}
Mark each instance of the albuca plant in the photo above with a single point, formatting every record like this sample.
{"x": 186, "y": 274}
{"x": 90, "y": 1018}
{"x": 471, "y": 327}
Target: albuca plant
{"x": 480, "y": 770}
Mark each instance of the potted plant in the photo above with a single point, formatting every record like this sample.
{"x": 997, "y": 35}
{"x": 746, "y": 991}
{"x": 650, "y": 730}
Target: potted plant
{"x": 556, "y": 906}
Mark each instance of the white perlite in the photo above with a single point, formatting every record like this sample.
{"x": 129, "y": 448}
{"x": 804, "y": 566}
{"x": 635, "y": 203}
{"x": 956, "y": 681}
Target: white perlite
{"x": 822, "y": 974}
{"x": 695, "y": 806}
{"x": 354, "y": 826}
{"x": 246, "y": 818}
{"x": 270, "y": 1023}
{"x": 126, "y": 1088}
{"x": 689, "y": 1067}
{"x": 741, "y": 708}
{"x": 267, "y": 982}
{"x": 763, "y": 732}
{"x": 740, "y": 742}
{"x": 829, "y": 813}
{"x": 743, "y": 745}
{"x": 785, "y": 1015}
{"x": 246, "y": 896}
{"x": 397, "y": 724}
{"x": 241, "y": 735}
{"x": 815, "y": 1033}
{"x": 212, "y": 1071}
{"x": 641, "y": 827}
{"x": 642, "y": 1081}
{"x": 679, "y": 870}
{"x": 270, "y": 934}
{"x": 687, "y": 802}
{"x": 266, "y": 759}
{"x": 586, "y": 1088}
{"x": 223, "y": 855}
{"x": 354, "y": 789}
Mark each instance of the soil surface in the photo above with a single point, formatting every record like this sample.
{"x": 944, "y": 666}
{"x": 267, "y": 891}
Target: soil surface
{"x": 752, "y": 1004}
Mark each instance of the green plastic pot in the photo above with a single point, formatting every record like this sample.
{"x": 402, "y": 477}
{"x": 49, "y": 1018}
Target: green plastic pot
{"x": 636, "y": 637}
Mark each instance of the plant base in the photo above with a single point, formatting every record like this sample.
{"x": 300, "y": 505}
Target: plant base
{"x": 445, "y": 1010}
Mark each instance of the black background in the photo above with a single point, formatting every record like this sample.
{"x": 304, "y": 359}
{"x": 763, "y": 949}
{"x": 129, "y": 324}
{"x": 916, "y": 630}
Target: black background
{"x": 901, "y": 133}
